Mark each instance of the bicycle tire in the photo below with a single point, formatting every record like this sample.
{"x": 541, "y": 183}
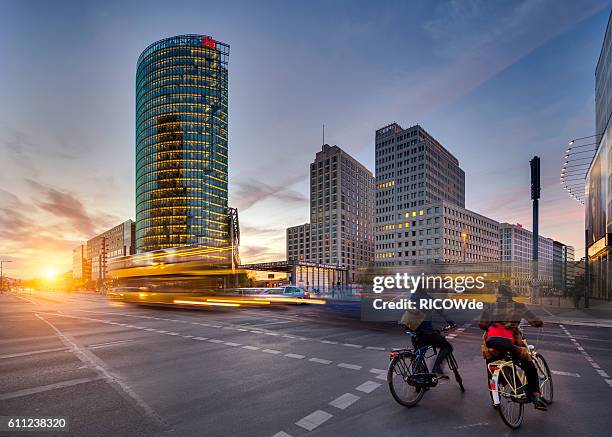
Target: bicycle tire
{"x": 452, "y": 363}
{"x": 403, "y": 369}
{"x": 506, "y": 402}
{"x": 547, "y": 398}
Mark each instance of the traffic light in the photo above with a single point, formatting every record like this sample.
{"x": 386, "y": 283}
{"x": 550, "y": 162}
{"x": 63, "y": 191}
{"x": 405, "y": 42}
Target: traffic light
{"x": 535, "y": 177}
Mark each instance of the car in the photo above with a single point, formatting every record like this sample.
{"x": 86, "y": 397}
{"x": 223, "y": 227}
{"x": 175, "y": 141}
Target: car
{"x": 287, "y": 291}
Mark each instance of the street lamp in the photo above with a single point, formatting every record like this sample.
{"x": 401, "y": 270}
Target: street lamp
{"x": 2, "y": 273}
{"x": 464, "y": 235}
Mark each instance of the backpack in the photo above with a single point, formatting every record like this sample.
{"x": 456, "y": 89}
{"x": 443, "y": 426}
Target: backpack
{"x": 412, "y": 318}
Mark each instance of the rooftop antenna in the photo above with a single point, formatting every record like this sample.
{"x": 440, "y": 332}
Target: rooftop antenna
{"x": 323, "y": 133}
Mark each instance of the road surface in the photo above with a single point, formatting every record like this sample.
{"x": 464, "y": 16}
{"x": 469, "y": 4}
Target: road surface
{"x": 116, "y": 369}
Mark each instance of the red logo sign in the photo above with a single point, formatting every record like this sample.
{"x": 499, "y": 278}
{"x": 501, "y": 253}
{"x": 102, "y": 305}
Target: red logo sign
{"x": 207, "y": 41}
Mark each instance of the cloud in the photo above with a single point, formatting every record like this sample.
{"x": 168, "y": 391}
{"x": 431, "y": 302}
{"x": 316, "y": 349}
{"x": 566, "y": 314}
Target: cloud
{"x": 64, "y": 205}
{"x": 251, "y": 192}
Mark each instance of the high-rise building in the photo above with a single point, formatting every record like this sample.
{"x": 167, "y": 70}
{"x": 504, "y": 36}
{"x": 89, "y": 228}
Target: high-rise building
{"x": 420, "y": 214}
{"x": 603, "y": 84}
{"x": 437, "y": 232}
{"x": 597, "y": 191}
{"x": 117, "y": 241}
{"x": 516, "y": 245}
{"x": 182, "y": 144}
{"x": 569, "y": 264}
{"x": 80, "y": 265}
{"x": 341, "y": 214}
{"x": 563, "y": 266}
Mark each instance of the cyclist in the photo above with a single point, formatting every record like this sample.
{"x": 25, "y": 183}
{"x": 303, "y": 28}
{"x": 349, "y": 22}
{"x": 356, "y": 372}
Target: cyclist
{"x": 500, "y": 321}
{"x": 421, "y": 322}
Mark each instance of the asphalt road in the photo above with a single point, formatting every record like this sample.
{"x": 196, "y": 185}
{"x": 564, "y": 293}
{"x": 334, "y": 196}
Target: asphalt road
{"x": 121, "y": 370}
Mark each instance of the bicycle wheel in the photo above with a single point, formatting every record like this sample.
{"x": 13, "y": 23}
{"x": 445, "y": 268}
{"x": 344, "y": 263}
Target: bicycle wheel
{"x": 452, "y": 363}
{"x": 401, "y": 382}
{"x": 545, "y": 379}
{"x": 510, "y": 411}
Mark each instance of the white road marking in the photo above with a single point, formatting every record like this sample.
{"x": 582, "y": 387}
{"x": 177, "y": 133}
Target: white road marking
{"x": 187, "y": 336}
{"x": 368, "y": 386}
{"x": 350, "y": 366}
{"x": 229, "y": 343}
{"x": 603, "y": 373}
{"x": 319, "y": 360}
{"x": 559, "y": 372}
{"x": 173, "y": 333}
{"x": 109, "y": 343}
{"x": 329, "y": 342}
{"x": 595, "y": 365}
{"x": 282, "y": 434}
{"x": 382, "y": 376}
{"x": 609, "y": 381}
{"x": 313, "y": 420}
{"x": 44, "y": 388}
{"x": 344, "y": 401}
{"x": 97, "y": 365}
{"x": 26, "y": 354}
{"x": 200, "y": 338}
{"x": 375, "y": 348}
{"x": 271, "y": 351}
{"x": 251, "y": 348}
{"x": 214, "y": 340}
{"x": 296, "y": 356}
{"x": 352, "y": 345}
{"x": 378, "y": 371}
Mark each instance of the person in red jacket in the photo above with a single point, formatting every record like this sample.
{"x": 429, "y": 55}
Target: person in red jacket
{"x": 500, "y": 321}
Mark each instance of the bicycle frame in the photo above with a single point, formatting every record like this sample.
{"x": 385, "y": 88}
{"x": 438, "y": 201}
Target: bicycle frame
{"x": 495, "y": 369}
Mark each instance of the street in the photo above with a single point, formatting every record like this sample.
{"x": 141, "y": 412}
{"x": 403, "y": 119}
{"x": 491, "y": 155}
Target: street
{"x": 124, "y": 370}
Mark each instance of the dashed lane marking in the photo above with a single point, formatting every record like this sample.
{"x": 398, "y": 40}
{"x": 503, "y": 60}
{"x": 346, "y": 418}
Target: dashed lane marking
{"x": 271, "y": 351}
{"x": 319, "y": 360}
{"x": 296, "y": 356}
{"x": 27, "y": 354}
{"x": 344, "y": 401}
{"x": 282, "y": 434}
{"x": 251, "y": 348}
{"x": 357, "y": 346}
{"x": 313, "y": 420}
{"x": 559, "y": 372}
{"x": 368, "y": 387}
{"x": 350, "y": 366}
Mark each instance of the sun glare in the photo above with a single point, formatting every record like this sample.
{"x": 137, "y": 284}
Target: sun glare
{"x": 50, "y": 274}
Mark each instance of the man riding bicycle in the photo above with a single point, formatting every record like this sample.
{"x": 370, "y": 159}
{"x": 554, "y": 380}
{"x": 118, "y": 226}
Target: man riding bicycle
{"x": 500, "y": 321}
{"x": 421, "y": 322}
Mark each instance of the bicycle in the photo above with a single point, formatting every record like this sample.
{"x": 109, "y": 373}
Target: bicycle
{"x": 408, "y": 375}
{"x": 508, "y": 386}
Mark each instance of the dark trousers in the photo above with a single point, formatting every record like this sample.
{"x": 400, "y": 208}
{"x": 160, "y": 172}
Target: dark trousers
{"x": 434, "y": 338}
{"x": 531, "y": 373}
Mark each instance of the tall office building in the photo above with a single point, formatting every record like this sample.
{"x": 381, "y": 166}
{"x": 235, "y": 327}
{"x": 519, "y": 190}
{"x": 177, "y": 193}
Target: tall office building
{"x": 516, "y": 245}
{"x": 181, "y": 144}
{"x": 597, "y": 191}
{"x": 341, "y": 214}
{"x": 420, "y": 214}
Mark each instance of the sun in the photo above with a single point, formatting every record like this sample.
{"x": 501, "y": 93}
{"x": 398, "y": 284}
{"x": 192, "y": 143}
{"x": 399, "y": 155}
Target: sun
{"x": 50, "y": 274}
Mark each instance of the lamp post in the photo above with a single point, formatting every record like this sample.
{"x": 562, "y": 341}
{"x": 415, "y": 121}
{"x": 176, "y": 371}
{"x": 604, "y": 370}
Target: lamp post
{"x": 2, "y": 273}
{"x": 464, "y": 235}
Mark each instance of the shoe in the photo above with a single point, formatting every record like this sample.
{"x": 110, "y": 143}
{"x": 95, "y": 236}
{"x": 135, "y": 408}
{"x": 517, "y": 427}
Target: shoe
{"x": 538, "y": 402}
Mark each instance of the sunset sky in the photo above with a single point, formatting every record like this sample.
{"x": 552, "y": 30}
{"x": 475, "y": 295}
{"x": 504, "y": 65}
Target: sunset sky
{"x": 494, "y": 82}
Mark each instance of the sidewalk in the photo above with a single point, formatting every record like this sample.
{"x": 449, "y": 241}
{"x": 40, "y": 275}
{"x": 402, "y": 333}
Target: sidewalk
{"x": 562, "y": 310}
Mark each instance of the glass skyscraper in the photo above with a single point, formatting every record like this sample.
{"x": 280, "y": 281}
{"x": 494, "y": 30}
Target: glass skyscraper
{"x": 181, "y": 144}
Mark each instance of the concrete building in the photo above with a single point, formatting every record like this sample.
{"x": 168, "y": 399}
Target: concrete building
{"x": 341, "y": 214}
{"x": 420, "y": 214}
{"x": 437, "y": 232}
{"x": 598, "y": 195}
{"x": 563, "y": 256}
{"x": 117, "y": 241}
{"x": 413, "y": 169}
{"x": 80, "y": 265}
{"x": 516, "y": 245}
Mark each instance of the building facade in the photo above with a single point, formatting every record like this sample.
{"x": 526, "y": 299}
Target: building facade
{"x": 80, "y": 265}
{"x": 341, "y": 213}
{"x": 413, "y": 169}
{"x": 563, "y": 266}
{"x": 516, "y": 245}
{"x": 182, "y": 144}
{"x": 437, "y": 232}
{"x": 117, "y": 241}
{"x": 598, "y": 205}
